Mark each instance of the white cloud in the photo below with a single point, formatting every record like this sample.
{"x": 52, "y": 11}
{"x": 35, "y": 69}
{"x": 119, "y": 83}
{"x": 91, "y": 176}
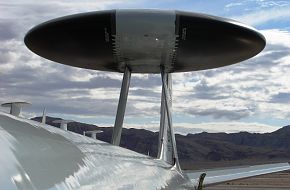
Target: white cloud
{"x": 263, "y": 16}
{"x": 241, "y": 90}
{"x": 229, "y": 127}
{"x": 233, "y": 5}
{"x": 214, "y": 127}
{"x": 233, "y": 92}
{"x": 104, "y": 93}
{"x": 81, "y": 75}
{"x": 277, "y": 36}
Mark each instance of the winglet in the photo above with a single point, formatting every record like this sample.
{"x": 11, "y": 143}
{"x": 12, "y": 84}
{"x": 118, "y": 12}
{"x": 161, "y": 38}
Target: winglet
{"x": 15, "y": 107}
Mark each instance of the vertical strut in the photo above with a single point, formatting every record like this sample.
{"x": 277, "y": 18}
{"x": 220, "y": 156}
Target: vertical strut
{"x": 165, "y": 145}
{"x": 116, "y": 137}
{"x": 167, "y": 129}
{"x": 161, "y": 138}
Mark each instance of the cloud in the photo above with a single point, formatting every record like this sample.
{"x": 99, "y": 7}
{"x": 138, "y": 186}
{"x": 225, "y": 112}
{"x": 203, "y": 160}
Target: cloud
{"x": 216, "y": 127}
{"x": 238, "y": 91}
{"x": 233, "y": 5}
{"x": 277, "y": 36}
{"x": 256, "y": 87}
{"x": 281, "y": 97}
{"x": 7, "y": 30}
{"x": 219, "y": 113}
{"x": 263, "y": 16}
{"x": 145, "y": 92}
{"x": 230, "y": 127}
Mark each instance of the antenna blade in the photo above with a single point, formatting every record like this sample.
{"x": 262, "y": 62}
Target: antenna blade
{"x": 44, "y": 116}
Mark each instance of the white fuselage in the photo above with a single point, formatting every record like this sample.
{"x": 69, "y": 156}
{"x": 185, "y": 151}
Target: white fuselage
{"x": 38, "y": 156}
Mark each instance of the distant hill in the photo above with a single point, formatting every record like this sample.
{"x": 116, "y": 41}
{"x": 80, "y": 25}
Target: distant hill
{"x": 208, "y": 149}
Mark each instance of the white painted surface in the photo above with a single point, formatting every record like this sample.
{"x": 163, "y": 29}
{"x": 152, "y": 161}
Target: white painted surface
{"x": 38, "y": 156}
{"x": 227, "y": 174}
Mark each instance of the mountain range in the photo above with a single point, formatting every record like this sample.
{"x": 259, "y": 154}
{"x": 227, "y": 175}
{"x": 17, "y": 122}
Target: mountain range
{"x": 202, "y": 149}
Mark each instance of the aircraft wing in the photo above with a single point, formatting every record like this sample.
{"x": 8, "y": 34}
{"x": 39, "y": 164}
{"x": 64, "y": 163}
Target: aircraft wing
{"x": 233, "y": 173}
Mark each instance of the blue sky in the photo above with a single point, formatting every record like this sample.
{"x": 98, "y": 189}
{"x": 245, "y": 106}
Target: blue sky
{"x": 250, "y": 96}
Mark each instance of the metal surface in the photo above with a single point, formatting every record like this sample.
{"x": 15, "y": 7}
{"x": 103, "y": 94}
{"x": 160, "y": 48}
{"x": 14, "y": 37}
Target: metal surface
{"x": 117, "y": 131}
{"x": 38, "y": 156}
{"x": 168, "y": 101}
{"x": 144, "y": 40}
{"x": 42, "y": 157}
{"x": 227, "y": 174}
{"x": 165, "y": 144}
{"x": 43, "y": 120}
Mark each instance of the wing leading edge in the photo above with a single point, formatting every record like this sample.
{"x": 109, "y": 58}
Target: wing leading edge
{"x": 233, "y": 173}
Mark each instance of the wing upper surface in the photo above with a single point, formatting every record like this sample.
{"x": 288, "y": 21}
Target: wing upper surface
{"x": 233, "y": 173}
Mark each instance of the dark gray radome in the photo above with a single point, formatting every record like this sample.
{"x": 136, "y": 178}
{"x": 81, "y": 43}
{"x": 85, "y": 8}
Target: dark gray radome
{"x": 144, "y": 40}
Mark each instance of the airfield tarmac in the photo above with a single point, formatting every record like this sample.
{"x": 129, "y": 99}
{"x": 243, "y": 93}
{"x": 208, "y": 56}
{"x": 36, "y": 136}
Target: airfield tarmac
{"x": 275, "y": 181}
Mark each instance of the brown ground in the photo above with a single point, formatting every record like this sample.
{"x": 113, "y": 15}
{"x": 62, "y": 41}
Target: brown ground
{"x": 275, "y": 181}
